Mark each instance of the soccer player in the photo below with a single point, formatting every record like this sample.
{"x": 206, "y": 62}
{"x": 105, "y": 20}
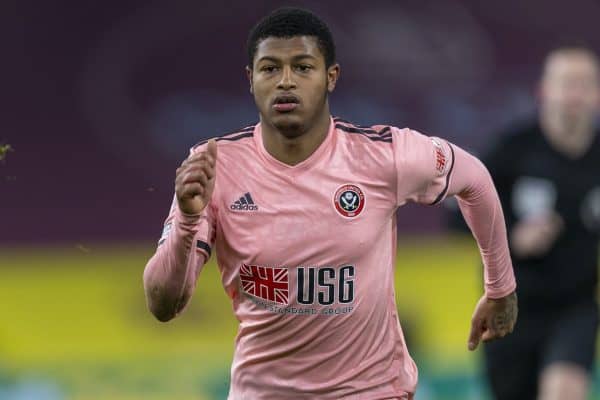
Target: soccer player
{"x": 301, "y": 211}
{"x": 547, "y": 172}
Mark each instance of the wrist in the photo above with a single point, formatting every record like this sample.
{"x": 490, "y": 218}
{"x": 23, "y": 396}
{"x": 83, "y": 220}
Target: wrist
{"x": 186, "y": 218}
{"x": 500, "y": 296}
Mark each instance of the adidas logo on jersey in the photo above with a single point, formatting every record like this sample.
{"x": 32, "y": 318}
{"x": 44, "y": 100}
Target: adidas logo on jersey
{"x": 245, "y": 203}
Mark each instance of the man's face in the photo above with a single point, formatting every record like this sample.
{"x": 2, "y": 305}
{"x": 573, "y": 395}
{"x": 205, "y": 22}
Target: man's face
{"x": 570, "y": 89}
{"x": 290, "y": 83}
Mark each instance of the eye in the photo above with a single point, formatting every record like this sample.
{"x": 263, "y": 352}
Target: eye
{"x": 304, "y": 67}
{"x": 268, "y": 68}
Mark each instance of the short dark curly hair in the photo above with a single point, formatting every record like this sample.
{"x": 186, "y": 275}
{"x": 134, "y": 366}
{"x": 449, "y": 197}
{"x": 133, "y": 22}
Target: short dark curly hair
{"x": 288, "y": 22}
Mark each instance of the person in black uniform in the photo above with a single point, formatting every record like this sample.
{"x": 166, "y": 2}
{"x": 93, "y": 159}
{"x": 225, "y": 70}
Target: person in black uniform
{"x": 547, "y": 173}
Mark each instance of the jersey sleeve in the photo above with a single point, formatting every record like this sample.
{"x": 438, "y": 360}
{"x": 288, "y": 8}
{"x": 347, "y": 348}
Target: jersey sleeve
{"x": 480, "y": 206}
{"x": 184, "y": 247}
{"x": 429, "y": 169}
{"x": 202, "y": 226}
{"x": 423, "y": 167}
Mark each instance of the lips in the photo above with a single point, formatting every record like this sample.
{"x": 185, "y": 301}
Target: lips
{"x": 286, "y": 98}
{"x": 285, "y": 102}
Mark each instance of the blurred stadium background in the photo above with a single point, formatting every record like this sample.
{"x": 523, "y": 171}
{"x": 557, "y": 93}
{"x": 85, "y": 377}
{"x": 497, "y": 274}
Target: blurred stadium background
{"x": 101, "y": 101}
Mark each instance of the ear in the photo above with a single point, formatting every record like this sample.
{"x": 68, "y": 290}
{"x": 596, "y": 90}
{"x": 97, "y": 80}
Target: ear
{"x": 333, "y": 74}
{"x": 249, "y": 75}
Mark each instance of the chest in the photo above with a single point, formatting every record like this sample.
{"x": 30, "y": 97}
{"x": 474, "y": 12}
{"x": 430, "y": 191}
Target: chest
{"x": 543, "y": 181}
{"x": 319, "y": 217}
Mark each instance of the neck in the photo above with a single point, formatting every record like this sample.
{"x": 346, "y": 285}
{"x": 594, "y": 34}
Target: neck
{"x": 296, "y": 149}
{"x": 573, "y": 140}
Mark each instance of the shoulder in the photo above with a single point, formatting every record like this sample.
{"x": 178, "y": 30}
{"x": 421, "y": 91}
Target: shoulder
{"x": 388, "y": 140}
{"x": 374, "y": 134}
{"x": 381, "y": 133}
{"x": 389, "y": 148}
{"x": 238, "y": 137}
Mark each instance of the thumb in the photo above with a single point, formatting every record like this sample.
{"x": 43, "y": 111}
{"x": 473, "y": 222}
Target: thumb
{"x": 475, "y": 334}
{"x": 488, "y": 335}
{"x": 212, "y": 148}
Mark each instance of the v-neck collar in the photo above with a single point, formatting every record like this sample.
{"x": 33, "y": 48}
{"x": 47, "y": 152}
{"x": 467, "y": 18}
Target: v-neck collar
{"x": 301, "y": 166}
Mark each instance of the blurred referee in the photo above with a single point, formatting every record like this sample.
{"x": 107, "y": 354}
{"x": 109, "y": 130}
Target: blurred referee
{"x": 547, "y": 173}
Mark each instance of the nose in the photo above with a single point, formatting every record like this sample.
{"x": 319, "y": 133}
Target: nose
{"x": 286, "y": 82}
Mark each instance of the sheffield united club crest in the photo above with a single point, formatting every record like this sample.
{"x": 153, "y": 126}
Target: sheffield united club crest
{"x": 349, "y": 200}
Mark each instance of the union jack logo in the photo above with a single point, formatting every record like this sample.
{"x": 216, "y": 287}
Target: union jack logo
{"x": 265, "y": 282}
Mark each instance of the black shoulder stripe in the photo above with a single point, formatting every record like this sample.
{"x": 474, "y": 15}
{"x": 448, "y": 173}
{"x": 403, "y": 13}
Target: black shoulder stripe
{"x": 354, "y": 129}
{"x": 200, "y": 143}
{"x": 385, "y": 130}
{"x": 387, "y": 137}
{"x": 441, "y": 195}
{"x": 248, "y": 129}
{"x": 338, "y": 119}
{"x": 382, "y": 132}
{"x": 238, "y": 137}
{"x": 361, "y": 127}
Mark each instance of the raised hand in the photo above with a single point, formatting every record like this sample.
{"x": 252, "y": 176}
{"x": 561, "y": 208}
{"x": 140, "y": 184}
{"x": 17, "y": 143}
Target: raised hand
{"x": 195, "y": 180}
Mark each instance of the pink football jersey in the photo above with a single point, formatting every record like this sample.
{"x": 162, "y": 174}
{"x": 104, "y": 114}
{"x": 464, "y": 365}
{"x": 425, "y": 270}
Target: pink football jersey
{"x": 307, "y": 255}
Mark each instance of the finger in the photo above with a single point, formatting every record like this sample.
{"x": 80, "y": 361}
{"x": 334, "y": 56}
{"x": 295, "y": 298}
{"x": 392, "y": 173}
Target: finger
{"x": 195, "y": 176}
{"x": 489, "y": 335}
{"x": 197, "y": 157}
{"x": 212, "y": 148}
{"x": 210, "y": 152}
{"x": 475, "y": 334}
{"x": 191, "y": 190}
{"x": 198, "y": 176}
{"x": 495, "y": 327}
{"x": 202, "y": 165}
{"x": 509, "y": 328}
{"x": 192, "y": 158}
{"x": 203, "y": 161}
